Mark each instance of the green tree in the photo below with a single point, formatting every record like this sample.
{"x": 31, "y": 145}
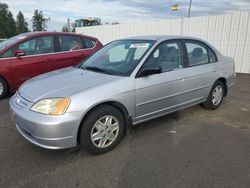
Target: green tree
{"x": 7, "y": 22}
{"x": 11, "y": 25}
{"x": 39, "y": 23}
{"x": 21, "y": 24}
{"x": 65, "y": 29}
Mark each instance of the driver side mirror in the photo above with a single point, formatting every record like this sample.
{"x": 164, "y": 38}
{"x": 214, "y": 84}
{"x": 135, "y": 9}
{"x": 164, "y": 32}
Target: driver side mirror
{"x": 19, "y": 53}
{"x": 150, "y": 71}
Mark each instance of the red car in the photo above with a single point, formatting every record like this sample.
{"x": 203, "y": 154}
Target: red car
{"x": 30, "y": 54}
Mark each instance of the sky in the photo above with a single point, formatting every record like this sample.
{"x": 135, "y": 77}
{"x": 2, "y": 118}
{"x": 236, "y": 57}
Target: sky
{"x": 122, "y": 11}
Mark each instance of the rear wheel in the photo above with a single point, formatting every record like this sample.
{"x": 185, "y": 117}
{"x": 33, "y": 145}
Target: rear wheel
{"x": 102, "y": 130}
{"x": 215, "y": 97}
{"x": 3, "y": 88}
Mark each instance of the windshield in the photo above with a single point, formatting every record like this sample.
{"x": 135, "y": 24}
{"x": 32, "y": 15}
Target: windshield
{"x": 11, "y": 40}
{"x": 119, "y": 57}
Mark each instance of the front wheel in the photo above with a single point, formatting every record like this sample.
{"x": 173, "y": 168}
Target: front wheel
{"x": 215, "y": 97}
{"x": 102, "y": 129}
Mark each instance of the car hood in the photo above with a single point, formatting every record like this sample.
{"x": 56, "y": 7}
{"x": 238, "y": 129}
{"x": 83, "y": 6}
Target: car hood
{"x": 62, "y": 83}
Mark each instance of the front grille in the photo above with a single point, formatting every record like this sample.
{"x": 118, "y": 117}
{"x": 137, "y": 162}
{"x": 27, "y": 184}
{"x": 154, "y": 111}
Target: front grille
{"x": 20, "y": 101}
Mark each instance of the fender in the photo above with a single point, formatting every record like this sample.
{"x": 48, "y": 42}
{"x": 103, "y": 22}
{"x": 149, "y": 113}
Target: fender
{"x": 6, "y": 74}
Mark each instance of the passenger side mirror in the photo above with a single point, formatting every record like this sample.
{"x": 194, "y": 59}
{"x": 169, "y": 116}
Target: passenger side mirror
{"x": 19, "y": 53}
{"x": 150, "y": 71}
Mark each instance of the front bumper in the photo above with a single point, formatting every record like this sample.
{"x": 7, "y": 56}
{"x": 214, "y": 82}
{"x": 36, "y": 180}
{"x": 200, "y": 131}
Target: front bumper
{"x": 50, "y": 132}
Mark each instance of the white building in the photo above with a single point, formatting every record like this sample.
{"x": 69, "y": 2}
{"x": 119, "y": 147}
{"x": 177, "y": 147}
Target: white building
{"x": 230, "y": 33}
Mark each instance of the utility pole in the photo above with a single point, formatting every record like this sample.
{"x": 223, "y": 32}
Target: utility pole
{"x": 189, "y": 9}
{"x": 68, "y": 25}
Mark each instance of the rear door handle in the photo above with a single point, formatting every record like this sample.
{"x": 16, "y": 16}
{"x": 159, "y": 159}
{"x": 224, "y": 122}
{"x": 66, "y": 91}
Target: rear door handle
{"x": 48, "y": 60}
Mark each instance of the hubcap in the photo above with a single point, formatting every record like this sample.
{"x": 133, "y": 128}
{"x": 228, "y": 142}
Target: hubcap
{"x": 1, "y": 88}
{"x": 105, "y": 131}
{"x": 217, "y": 95}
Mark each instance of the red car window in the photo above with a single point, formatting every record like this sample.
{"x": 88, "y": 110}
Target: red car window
{"x": 9, "y": 53}
{"x": 38, "y": 45}
{"x": 69, "y": 43}
{"x": 88, "y": 43}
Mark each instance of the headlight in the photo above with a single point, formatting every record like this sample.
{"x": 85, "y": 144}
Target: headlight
{"x": 53, "y": 106}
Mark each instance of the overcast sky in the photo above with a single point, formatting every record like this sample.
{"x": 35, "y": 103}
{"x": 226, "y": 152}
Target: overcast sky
{"x": 122, "y": 11}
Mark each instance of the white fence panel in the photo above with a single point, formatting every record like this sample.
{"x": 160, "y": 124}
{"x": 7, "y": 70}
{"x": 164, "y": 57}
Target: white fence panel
{"x": 230, "y": 33}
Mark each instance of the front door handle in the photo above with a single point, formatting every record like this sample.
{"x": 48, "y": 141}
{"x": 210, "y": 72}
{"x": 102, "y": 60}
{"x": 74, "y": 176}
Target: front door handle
{"x": 181, "y": 79}
{"x": 82, "y": 56}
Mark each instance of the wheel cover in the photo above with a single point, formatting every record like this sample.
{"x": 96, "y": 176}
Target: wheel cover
{"x": 1, "y": 88}
{"x": 105, "y": 131}
{"x": 217, "y": 95}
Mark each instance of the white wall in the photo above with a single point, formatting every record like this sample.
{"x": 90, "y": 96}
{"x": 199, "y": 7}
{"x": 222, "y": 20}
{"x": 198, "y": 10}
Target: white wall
{"x": 229, "y": 33}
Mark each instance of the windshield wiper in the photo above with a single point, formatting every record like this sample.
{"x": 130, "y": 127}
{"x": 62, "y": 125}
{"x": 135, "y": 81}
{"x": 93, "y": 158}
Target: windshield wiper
{"x": 77, "y": 66}
{"x": 96, "y": 69}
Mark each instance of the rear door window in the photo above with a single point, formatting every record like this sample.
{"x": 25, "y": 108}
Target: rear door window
{"x": 197, "y": 53}
{"x": 70, "y": 43}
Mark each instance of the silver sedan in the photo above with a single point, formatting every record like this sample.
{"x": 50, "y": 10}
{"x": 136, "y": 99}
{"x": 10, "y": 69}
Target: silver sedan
{"x": 127, "y": 82}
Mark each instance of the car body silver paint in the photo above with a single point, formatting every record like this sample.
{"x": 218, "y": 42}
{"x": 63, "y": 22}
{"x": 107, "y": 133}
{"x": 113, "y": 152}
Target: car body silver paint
{"x": 144, "y": 98}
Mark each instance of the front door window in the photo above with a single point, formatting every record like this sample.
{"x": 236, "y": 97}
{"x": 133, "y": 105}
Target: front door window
{"x": 38, "y": 45}
{"x": 167, "y": 56}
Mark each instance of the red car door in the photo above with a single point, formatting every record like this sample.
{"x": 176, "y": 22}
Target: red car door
{"x": 38, "y": 58}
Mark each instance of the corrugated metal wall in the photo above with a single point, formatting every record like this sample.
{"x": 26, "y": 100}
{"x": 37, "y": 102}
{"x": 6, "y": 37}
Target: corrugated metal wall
{"x": 230, "y": 33}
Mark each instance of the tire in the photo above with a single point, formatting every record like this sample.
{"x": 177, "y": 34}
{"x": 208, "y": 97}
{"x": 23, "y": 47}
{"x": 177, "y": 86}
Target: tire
{"x": 212, "y": 103}
{"x": 95, "y": 137}
{"x": 3, "y": 88}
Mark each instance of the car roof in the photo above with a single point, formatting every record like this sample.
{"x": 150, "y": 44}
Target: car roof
{"x": 41, "y": 33}
{"x": 161, "y": 37}
{"x": 169, "y": 37}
